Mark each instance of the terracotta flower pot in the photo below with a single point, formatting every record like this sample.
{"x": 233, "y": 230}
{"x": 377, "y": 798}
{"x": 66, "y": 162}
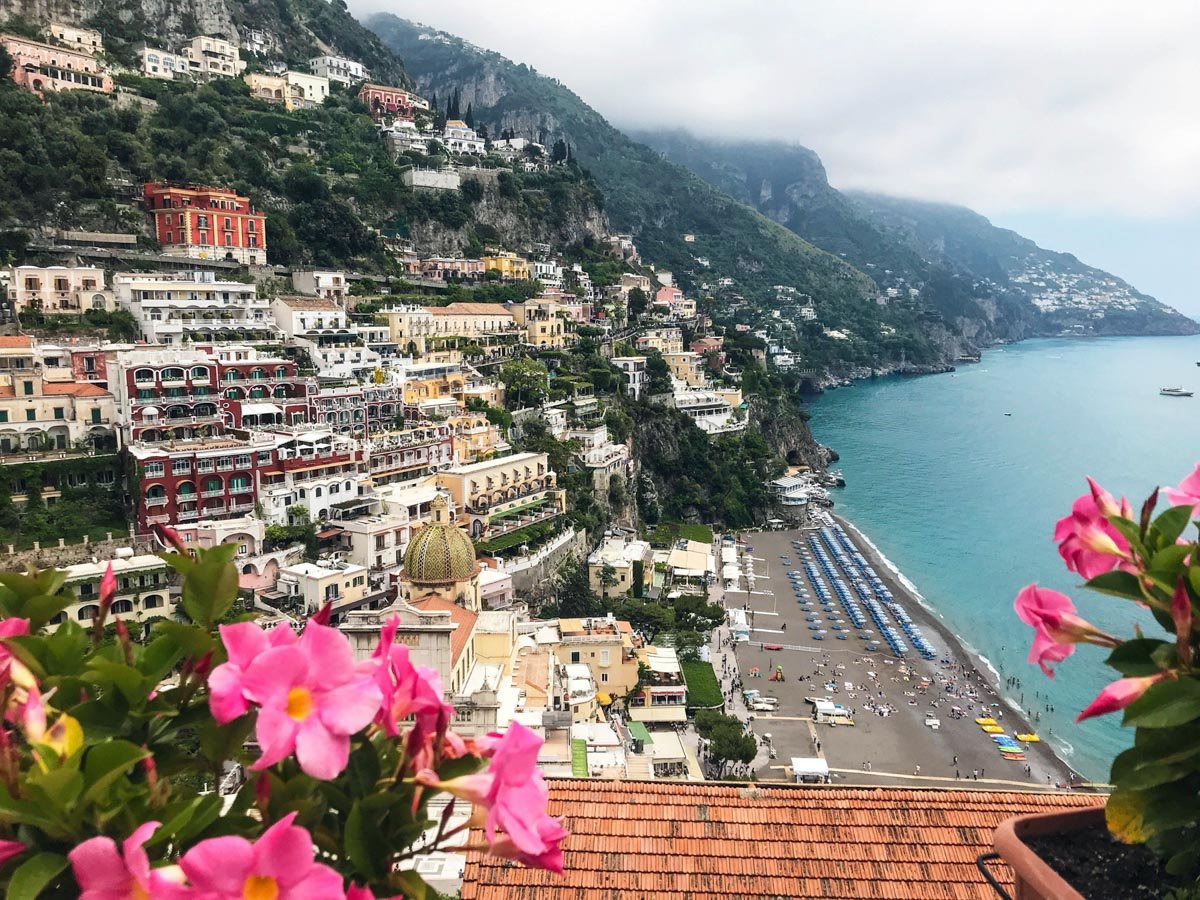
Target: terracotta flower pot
{"x": 1036, "y": 880}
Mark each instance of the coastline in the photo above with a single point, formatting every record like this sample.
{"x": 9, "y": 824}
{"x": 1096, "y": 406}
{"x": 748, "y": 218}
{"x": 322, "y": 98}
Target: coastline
{"x": 925, "y": 614}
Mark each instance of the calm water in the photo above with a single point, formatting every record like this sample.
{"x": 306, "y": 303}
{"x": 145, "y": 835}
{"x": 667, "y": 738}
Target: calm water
{"x": 963, "y": 498}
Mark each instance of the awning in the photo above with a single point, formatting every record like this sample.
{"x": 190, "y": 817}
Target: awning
{"x": 258, "y": 409}
{"x": 676, "y": 713}
{"x": 150, "y": 411}
{"x": 604, "y": 699}
{"x": 329, "y": 533}
{"x": 640, "y": 732}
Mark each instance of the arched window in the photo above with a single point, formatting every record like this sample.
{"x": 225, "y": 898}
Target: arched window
{"x": 281, "y": 372}
{"x": 239, "y": 483}
{"x": 258, "y": 374}
{"x": 173, "y": 374}
{"x": 154, "y": 601}
{"x": 213, "y": 484}
{"x": 199, "y": 372}
{"x": 156, "y": 492}
{"x": 231, "y": 375}
{"x": 316, "y": 492}
{"x": 143, "y": 376}
{"x": 87, "y": 613}
{"x": 258, "y": 392}
{"x": 122, "y": 606}
{"x": 185, "y": 489}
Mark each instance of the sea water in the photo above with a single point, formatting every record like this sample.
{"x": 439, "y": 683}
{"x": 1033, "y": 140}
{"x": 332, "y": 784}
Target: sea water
{"x": 959, "y": 479}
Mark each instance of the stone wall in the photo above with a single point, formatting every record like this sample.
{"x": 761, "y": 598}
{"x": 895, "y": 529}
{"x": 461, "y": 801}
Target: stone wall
{"x": 531, "y": 571}
{"x": 60, "y": 553}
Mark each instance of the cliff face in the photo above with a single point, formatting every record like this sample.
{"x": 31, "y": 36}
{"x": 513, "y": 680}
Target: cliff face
{"x": 167, "y": 20}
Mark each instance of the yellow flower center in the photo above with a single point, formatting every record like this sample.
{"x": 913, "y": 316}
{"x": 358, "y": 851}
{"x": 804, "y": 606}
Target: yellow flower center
{"x": 137, "y": 892}
{"x": 260, "y": 887}
{"x": 299, "y": 706}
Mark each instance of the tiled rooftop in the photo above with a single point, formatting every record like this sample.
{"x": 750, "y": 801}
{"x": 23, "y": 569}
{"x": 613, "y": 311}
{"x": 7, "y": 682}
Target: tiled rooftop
{"x": 681, "y": 841}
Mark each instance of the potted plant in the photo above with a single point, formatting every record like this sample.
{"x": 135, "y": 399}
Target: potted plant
{"x": 124, "y": 768}
{"x": 1152, "y": 818}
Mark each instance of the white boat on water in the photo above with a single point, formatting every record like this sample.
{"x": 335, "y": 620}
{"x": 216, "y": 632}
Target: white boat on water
{"x": 1174, "y": 392}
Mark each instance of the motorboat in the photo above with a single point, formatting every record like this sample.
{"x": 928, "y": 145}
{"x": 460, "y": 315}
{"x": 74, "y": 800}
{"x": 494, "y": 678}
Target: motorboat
{"x": 1174, "y": 392}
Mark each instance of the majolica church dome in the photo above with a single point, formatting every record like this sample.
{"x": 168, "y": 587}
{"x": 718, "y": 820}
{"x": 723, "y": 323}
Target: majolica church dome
{"x": 440, "y": 561}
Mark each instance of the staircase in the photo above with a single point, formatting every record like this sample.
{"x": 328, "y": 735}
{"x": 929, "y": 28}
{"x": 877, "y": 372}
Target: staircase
{"x": 637, "y": 766}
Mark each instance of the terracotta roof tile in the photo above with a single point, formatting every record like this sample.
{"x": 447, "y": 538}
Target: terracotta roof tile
{"x": 74, "y": 389}
{"x": 463, "y": 618}
{"x": 680, "y": 841}
{"x": 309, "y": 303}
{"x": 468, "y": 309}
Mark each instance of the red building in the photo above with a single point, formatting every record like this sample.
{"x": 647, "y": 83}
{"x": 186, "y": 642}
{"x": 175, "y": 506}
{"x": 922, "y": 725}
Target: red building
{"x": 199, "y": 478}
{"x": 206, "y": 223}
{"x": 261, "y": 392}
{"x": 393, "y": 102}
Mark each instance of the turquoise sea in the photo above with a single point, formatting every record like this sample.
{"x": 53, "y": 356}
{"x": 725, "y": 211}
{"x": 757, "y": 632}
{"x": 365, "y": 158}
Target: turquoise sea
{"x": 959, "y": 478}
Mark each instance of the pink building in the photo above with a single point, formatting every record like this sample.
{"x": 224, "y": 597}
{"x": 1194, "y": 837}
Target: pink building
{"x": 42, "y": 67}
{"x": 668, "y": 295}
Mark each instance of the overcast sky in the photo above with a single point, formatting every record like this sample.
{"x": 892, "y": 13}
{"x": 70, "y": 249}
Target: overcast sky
{"x": 1078, "y": 123}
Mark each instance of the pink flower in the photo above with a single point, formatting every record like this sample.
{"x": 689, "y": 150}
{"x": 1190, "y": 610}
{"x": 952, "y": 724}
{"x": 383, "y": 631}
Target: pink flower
{"x": 311, "y": 698}
{"x": 1057, "y": 628}
{"x": 1087, "y": 541}
{"x": 278, "y": 866}
{"x": 245, "y": 642}
{"x": 513, "y": 793}
{"x": 10, "y": 849}
{"x": 354, "y": 892}
{"x": 1181, "y": 614}
{"x": 104, "y": 874}
{"x": 407, "y": 690}
{"x": 1188, "y": 492}
{"x": 10, "y": 628}
{"x": 169, "y": 537}
{"x": 108, "y": 589}
{"x": 1118, "y": 695}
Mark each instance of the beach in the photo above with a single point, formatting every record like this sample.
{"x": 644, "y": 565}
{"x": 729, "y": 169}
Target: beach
{"x": 891, "y": 699}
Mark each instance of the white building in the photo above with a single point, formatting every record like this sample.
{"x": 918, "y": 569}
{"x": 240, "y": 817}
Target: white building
{"x": 174, "y": 307}
{"x": 311, "y": 90}
{"x": 548, "y": 273}
{"x": 600, "y": 455}
{"x": 81, "y": 40}
{"x": 316, "y": 469}
{"x": 210, "y": 58}
{"x": 459, "y": 137}
{"x": 712, "y": 411}
{"x": 143, "y": 591}
{"x": 54, "y": 290}
{"x": 634, "y": 368}
{"x": 338, "y": 68}
{"x": 403, "y": 136}
{"x": 156, "y": 63}
{"x": 327, "y": 284}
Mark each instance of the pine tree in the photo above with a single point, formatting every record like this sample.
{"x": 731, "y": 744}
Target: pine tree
{"x": 469, "y": 118}
{"x": 452, "y": 111}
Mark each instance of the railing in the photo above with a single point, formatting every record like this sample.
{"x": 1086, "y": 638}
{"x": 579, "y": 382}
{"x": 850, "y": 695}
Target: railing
{"x": 220, "y": 492}
{"x": 156, "y": 501}
{"x": 157, "y": 520}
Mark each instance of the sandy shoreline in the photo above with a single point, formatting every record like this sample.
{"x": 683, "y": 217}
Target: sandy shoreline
{"x": 894, "y": 749}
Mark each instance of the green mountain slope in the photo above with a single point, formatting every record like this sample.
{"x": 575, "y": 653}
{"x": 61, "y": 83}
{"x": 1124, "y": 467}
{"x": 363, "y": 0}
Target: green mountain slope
{"x": 965, "y": 267}
{"x": 660, "y": 202}
{"x": 1070, "y": 295}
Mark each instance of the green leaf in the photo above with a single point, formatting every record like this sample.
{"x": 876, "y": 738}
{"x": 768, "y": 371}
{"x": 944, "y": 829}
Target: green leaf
{"x": 1136, "y": 770}
{"x": 1169, "y": 526}
{"x": 211, "y": 586}
{"x": 410, "y": 884}
{"x": 363, "y": 770}
{"x": 66, "y": 647}
{"x": 1133, "y": 658}
{"x": 1167, "y": 564}
{"x": 1131, "y": 531}
{"x": 1119, "y": 584}
{"x": 33, "y": 875}
{"x": 1125, "y": 815}
{"x": 59, "y": 786}
{"x": 1165, "y": 705}
{"x": 192, "y": 639}
{"x": 365, "y": 844}
{"x": 159, "y": 657}
{"x": 222, "y": 742}
{"x": 107, "y": 762}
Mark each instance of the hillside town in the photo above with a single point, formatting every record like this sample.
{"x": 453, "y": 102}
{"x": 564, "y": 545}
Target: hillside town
{"x": 509, "y": 448}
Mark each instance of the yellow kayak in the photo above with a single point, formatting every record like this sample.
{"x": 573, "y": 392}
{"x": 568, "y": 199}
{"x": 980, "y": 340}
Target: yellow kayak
{"x": 985, "y": 721}
{"x": 1028, "y": 738}
{"x": 993, "y": 729}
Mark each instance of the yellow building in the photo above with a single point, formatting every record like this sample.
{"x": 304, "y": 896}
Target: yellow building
{"x": 688, "y": 367}
{"x": 474, "y": 437}
{"x": 664, "y": 340}
{"x": 317, "y": 585}
{"x": 39, "y": 415}
{"x": 420, "y": 330}
{"x": 607, "y": 647}
{"x": 497, "y": 496}
{"x": 547, "y": 322}
{"x": 510, "y": 266}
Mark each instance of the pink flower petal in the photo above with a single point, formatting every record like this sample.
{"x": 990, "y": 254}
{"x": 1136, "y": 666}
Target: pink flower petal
{"x": 349, "y": 708}
{"x": 99, "y": 867}
{"x": 329, "y": 655}
{"x": 276, "y": 732}
{"x": 275, "y": 673}
{"x": 219, "y": 865}
{"x": 321, "y": 753}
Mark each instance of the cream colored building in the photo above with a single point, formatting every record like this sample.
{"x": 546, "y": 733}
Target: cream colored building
{"x": 315, "y": 585}
{"x": 37, "y": 415}
{"x": 629, "y": 562}
{"x": 210, "y": 58}
{"x": 58, "y": 290}
{"x": 546, "y": 323}
{"x": 143, "y": 591}
{"x": 81, "y": 40}
{"x": 497, "y": 496}
{"x": 664, "y": 340}
{"x": 154, "y": 62}
{"x": 607, "y": 647}
{"x": 417, "y": 330}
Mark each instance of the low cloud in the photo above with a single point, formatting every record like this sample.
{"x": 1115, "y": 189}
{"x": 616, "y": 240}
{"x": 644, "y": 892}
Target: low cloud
{"x": 1084, "y": 108}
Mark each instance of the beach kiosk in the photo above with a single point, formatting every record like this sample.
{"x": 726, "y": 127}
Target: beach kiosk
{"x": 809, "y": 771}
{"x": 738, "y": 626}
